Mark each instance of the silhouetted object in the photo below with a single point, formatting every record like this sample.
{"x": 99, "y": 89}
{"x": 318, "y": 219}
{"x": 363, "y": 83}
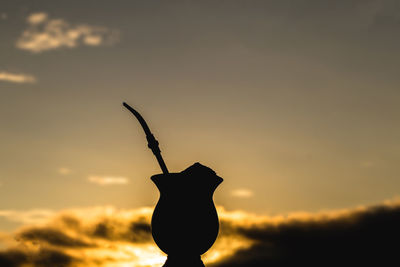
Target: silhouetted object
{"x": 185, "y": 222}
{"x": 152, "y": 142}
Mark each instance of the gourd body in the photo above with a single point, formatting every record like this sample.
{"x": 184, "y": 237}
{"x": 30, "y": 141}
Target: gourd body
{"x": 185, "y": 221}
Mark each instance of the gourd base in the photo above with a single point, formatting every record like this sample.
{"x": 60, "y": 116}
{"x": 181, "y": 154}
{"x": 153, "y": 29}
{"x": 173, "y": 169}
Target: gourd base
{"x": 183, "y": 261}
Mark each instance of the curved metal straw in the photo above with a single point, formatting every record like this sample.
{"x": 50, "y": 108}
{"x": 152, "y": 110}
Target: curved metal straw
{"x": 152, "y": 143}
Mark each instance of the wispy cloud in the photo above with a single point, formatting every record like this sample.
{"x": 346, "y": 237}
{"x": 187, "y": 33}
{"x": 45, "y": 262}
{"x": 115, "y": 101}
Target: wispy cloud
{"x": 108, "y": 180}
{"x": 44, "y": 33}
{"x": 35, "y": 216}
{"x": 64, "y": 171}
{"x": 16, "y": 77}
{"x": 37, "y": 18}
{"x": 242, "y": 193}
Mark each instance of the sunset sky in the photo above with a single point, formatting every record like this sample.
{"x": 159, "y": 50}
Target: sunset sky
{"x": 296, "y": 104}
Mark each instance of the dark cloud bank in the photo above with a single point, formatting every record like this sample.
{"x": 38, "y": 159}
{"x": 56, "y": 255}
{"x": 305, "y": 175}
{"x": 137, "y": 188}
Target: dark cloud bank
{"x": 354, "y": 237}
{"x": 361, "y": 238}
{"x": 40, "y": 258}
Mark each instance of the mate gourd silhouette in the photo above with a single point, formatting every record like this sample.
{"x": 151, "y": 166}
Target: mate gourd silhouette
{"x": 185, "y": 222}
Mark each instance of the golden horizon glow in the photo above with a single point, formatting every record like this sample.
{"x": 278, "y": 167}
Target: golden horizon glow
{"x": 79, "y": 224}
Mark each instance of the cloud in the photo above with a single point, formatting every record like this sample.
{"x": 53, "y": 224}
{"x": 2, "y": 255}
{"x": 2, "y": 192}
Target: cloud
{"x": 106, "y": 236}
{"x": 64, "y": 171}
{"x": 98, "y": 236}
{"x": 37, "y": 18}
{"x": 3, "y": 16}
{"x": 53, "y": 236}
{"x": 35, "y": 216}
{"x": 42, "y": 257}
{"x": 342, "y": 238}
{"x": 16, "y": 77}
{"x": 242, "y": 193}
{"x": 107, "y": 180}
{"x": 45, "y": 34}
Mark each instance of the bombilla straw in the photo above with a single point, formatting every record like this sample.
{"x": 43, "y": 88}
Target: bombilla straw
{"x": 152, "y": 143}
